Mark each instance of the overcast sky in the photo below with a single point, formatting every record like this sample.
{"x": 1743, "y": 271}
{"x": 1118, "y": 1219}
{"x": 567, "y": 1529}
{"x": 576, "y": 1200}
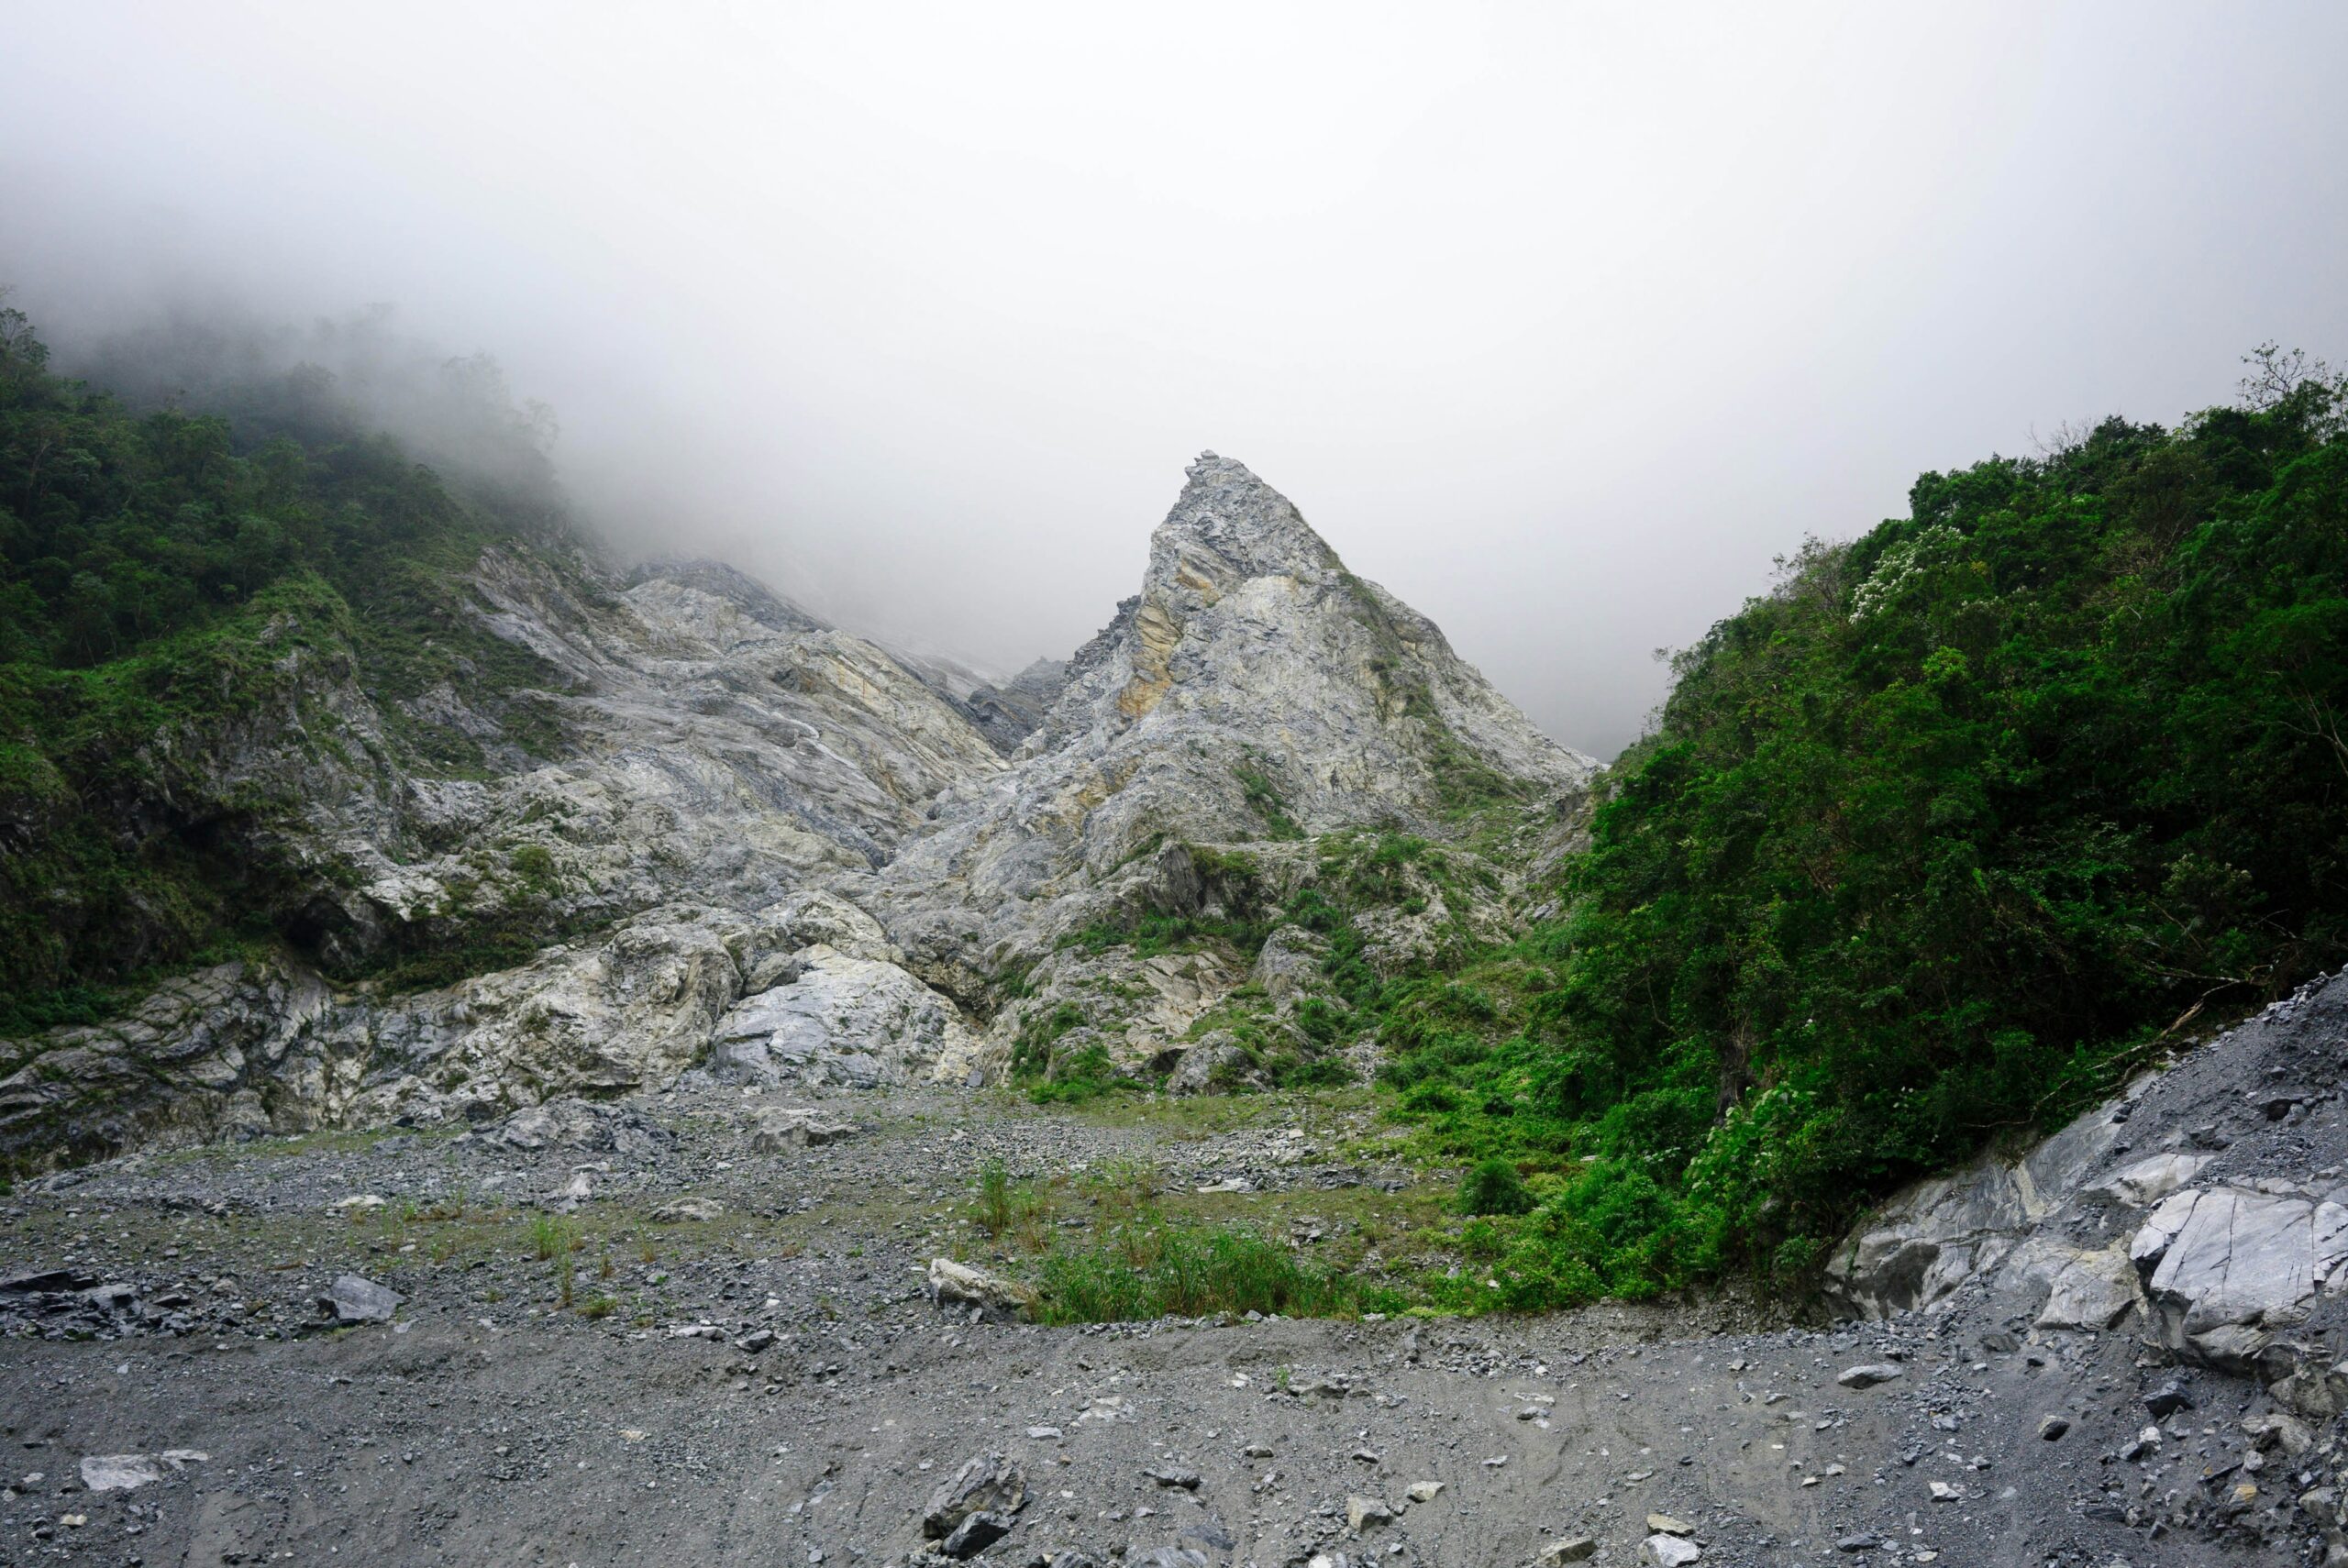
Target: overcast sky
{"x": 1558, "y": 320}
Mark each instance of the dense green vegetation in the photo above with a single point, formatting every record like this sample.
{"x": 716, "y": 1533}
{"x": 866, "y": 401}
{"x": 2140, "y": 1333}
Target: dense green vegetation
{"x": 179, "y": 587}
{"x": 1933, "y": 842}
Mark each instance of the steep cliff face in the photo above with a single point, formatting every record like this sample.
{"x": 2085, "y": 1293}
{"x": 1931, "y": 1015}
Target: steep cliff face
{"x": 1255, "y": 693}
{"x": 1253, "y": 690}
{"x": 578, "y": 921}
{"x": 741, "y": 836}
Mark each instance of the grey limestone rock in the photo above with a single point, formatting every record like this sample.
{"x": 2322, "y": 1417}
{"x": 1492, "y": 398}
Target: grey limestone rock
{"x": 353, "y": 1298}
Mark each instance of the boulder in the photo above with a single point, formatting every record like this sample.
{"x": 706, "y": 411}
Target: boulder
{"x": 1214, "y": 1064}
{"x": 578, "y": 1124}
{"x": 352, "y": 1300}
{"x": 775, "y": 1129}
{"x": 987, "y": 1484}
{"x": 2225, "y": 1266}
{"x": 996, "y": 1299}
{"x": 976, "y": 1533}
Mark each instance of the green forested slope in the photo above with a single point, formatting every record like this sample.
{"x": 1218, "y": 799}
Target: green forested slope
{"x": 178, "y": 587}
{"x": 1929, "y": 843}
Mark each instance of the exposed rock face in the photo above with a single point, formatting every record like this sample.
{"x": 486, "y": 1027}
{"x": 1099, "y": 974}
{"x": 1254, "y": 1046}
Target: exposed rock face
{"x": 2228, "y": 1247}
{"x": 1253, "y": 690}
{"x": 735, "y": 786}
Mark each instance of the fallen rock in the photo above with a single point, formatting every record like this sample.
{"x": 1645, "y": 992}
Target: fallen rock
{"x": 578, "y": 1124}
{"x": 1426, "y": 1491}
{"x": 976, "y": 1533}
{"x": 1573, "y": 1548}
{"x": 1668, "y": 1551}
{"x": 987, "y": 1484}
{"x": 1868, "y": 1375}
{"x": 688, "y": 1211}
{"x": 992, "y": 1297}
{"x": 1364, "y": 1514}
{"x": 1663, "y": 1524}
{"x": 777, "y": 1128}
{"x": 129, "y": 1472}
{"x": 352, "y": 1300}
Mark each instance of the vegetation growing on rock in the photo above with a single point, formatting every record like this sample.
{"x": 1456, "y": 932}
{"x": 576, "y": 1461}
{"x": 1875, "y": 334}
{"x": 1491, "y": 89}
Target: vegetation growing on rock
{"x": 1934, "y": 841}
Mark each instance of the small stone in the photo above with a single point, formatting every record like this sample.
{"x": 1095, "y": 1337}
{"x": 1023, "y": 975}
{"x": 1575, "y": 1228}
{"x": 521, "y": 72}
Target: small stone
{"x": 118, "y": 1472}
{"x": 1668, "y": 1551}
{"x": 1663, "y": 1524}
{"x": 1868, "y": 1375}
{"x": 1426, "y": 1491}
{"x": 2053, "y": 1427}
{"x": 2167, "y": 1401}
{"x": 1188, "y": 1480}
{"x": 1858, "y": 1543}
{"x": 1573, "y": 1548}
{"x": 1364, "y": 1514}
{"x": 1944, "y": 1493}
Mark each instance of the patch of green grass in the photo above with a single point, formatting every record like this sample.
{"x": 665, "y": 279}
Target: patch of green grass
{"x": 1144, "y": 1269}
{"x": 552, "y": 1236}
{"x": 1264, "y": 798}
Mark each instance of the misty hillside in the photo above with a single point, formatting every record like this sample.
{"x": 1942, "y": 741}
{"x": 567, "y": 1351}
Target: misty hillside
{"x": 344, "y": 790}
{"x": 175, "y": 579}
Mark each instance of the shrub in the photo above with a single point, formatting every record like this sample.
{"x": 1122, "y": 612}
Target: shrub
{"x": 1492, "y": 1186}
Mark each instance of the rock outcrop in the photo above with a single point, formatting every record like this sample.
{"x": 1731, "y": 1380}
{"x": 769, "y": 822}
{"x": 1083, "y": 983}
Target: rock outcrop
{"x": 752, "y": 845}
{"x": 2209, "y": 1219}
{"x": 1255, "y": 692}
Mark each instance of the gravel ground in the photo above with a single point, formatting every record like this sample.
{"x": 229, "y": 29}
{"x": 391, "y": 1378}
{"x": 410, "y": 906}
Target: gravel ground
{"x": 772, "y": 1386}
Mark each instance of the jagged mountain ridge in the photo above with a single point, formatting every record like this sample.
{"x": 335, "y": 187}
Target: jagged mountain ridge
{"x": 738, "y": 785}
{"x": 1254, "y": 689}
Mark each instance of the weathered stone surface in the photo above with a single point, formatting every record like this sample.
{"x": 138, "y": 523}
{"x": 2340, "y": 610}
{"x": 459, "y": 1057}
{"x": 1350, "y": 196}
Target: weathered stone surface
{"x": 842, "y": 1019}
{"x": 987, "y": 1483}
{"x": 352, "y": 1299}
{"x": 2233, "y": 1259}
{"x": 715, "y": 748}
{"x": 1668, "y": 1551}
{"x": 1938, "y": 1233}
{"x": 960, "y": 1286}
{"x": 1250, "y": 655}
{"x": 775, "y": 1128}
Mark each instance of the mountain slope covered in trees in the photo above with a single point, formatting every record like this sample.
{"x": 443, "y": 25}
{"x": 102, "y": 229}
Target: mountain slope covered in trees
{"x": 167, "y": 578}
{"x": 1934, "y": 841}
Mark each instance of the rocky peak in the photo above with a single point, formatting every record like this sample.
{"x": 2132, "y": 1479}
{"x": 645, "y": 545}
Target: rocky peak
{"x": 1228, "y": 526}
{"x": 1253, "y": 690}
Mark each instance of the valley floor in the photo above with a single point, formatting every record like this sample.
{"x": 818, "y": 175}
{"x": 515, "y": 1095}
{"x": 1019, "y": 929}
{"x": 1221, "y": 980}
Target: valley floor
{"x": 771, "y": 1384}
